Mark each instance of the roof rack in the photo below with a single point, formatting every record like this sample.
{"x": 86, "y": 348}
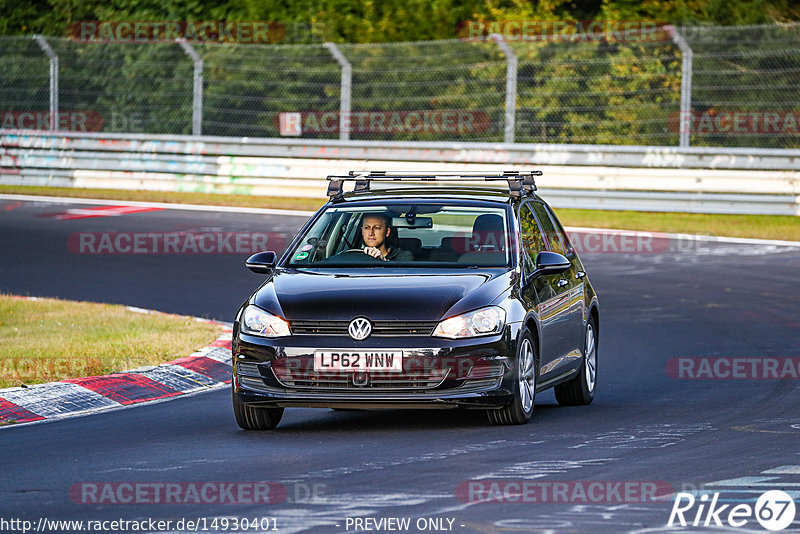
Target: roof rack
{"x": 519, "y": 183}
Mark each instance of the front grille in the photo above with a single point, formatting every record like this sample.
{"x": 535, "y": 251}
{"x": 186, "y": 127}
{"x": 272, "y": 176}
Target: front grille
{"x": 380, "y": 382}
{"x": 379, "y": 328}
{"x": 421, "y": 376}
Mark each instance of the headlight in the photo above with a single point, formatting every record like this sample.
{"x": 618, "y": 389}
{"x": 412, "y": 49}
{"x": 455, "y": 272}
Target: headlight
{"x": 477, "y": 323}
{"x": 260, "y": 323}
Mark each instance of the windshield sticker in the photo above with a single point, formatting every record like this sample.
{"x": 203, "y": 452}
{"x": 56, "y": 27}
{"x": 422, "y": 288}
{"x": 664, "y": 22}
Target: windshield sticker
{"x": 306, "y": 247}
{"x": 301, "y": 256}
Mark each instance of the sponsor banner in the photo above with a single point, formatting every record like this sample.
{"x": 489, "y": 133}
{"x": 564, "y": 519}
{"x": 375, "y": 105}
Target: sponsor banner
{"x": 174, "y": 242}
{"x": 462, "y": 121}
{"x": 574, "y": 492}
{"x": 636, "y": 31}
{"x": 129, "y": 31}
{"x": 65, "y": 121}
{"x": 739, "y": 122}
{"x": 733, "y": 368}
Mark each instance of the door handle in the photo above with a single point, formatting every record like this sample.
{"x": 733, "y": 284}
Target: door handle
{"x": 562, "y": 283}
{"x": 580, "y": 274}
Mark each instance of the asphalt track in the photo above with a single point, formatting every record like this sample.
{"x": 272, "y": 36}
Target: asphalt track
{"x": 709, "y": 300}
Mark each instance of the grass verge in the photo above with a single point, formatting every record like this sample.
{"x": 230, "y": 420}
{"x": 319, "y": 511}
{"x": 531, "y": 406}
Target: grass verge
{"x": 754, "y": 226}
{"x": 46, "y": 340}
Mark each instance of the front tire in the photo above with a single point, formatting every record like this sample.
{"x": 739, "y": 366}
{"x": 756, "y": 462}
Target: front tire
{"x": 253, "y": 418}
{"x": 580, "y": 390}
{"x": 519, "y": 410}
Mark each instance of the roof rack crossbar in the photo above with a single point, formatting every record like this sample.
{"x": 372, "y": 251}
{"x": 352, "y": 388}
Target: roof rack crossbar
{"x": 519, "y": 183}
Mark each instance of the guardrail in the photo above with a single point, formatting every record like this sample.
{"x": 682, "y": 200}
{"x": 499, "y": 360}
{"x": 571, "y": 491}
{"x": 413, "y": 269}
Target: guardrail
{"x": 707, "y": 180}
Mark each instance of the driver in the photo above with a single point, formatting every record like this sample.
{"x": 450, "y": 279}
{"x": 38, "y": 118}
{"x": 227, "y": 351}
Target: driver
{"x": 375, "y": 228}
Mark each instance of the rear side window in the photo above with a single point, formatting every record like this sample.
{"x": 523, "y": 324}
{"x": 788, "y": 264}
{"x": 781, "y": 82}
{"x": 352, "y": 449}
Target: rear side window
{"x": 549, "y": 229}
{"x": 532, "y": 239}
{"x": 561, "y": 233}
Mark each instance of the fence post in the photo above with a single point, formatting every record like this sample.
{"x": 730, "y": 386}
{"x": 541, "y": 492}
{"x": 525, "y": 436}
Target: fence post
{"x": 686, "y": 84}
{"x": 347, "y": 84}
{"x": 197, "y": 90}
{"x": 511, "y": 87}
{"x": 53, "y": 80}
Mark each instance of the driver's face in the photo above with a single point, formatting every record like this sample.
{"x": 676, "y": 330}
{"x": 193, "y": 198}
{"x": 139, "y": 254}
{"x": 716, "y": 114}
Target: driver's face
{"x": 374, "y": 231}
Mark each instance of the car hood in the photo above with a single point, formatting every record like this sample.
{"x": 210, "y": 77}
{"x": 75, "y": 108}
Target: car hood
{"x": 320, "y": 295}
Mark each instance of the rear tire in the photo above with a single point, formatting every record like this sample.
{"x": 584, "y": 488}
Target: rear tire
{"x": 519, "y": 410}
{"x": 252, "y": 418}
{"x": 580, "y": 390}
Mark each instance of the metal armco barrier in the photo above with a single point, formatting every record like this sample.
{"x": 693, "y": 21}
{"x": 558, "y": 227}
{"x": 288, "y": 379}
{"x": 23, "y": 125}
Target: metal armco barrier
{"x": 758, "y": 181}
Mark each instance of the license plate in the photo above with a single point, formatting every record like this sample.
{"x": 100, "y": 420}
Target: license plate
{"x": 358, "y": 360}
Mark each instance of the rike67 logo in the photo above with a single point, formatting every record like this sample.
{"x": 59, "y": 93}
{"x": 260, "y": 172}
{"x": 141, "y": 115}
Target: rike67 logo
{"x": 774, "y": 510}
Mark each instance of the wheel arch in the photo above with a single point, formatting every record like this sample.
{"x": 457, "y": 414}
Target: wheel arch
{"x": 594, "y": 313}
{"x": 533, "y": 327}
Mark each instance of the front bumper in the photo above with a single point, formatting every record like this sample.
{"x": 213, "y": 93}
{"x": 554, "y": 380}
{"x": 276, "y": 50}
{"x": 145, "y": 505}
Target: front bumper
{"x": 437, "y": 373}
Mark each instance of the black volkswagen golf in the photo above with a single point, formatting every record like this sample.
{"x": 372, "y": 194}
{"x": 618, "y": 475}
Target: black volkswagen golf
{"x": 415, "y": 296}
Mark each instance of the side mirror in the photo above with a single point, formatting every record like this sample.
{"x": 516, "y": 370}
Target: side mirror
{"x": 261, "y": 262}
{"x": 550, "y": 263}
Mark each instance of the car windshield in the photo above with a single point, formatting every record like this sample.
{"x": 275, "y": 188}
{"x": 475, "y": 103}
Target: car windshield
{"x": 407, "y": 235}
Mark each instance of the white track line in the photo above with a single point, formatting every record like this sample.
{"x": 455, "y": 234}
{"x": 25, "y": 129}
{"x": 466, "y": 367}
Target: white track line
{"x": 163, "y": 205}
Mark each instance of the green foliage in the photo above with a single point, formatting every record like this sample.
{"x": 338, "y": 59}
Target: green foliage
{"x": 592, "y": 91}
{"x": 247, "y": 86}
{"x": 597, "y": 92}
{"x": 143, "y": 88}
{"x": 374, "y": 21}
{"x": 24, "y": 75}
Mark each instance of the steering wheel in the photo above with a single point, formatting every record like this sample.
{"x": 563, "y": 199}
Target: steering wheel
{"x": 357, "y": 255}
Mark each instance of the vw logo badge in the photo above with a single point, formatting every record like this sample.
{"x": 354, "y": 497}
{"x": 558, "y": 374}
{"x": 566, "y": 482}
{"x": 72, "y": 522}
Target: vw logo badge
{"x": 360, "y": 328}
